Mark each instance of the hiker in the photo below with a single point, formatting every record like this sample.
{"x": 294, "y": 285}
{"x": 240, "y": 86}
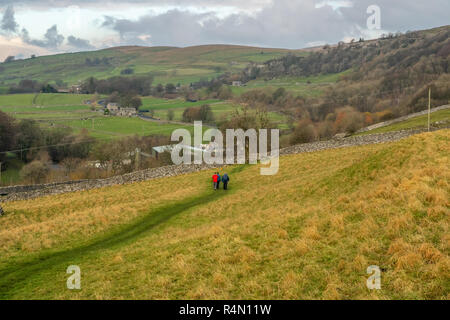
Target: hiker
{"x": 219, "y": 178}
{"x": 225, "y": 180}
{"x": 215, "y": 178}
{"x": 1, "y": 211}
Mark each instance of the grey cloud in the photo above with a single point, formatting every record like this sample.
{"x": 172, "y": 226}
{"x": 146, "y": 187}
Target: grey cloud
{"x": 272, "y": 23}
{"x": 285, "y": 23}
{"x": 9, "y": 23}
{"x": 44, "y": 4}
{"x": 402, "y": 15}
{"x": 79, "y": 43}
{"x": 52, "y": 39}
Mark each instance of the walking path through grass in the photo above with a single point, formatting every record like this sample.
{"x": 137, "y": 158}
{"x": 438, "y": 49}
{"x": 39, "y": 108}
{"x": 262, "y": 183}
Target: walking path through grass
{"x": 19, "y": 275}
{"x": 22, "y": 274}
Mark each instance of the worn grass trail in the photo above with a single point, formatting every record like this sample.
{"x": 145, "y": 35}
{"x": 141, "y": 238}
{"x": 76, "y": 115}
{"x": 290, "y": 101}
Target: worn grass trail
{"x": 17, "y": 274}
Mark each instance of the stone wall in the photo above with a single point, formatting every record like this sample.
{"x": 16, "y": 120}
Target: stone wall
{"x": 396, "y": 120}
{"x": 349, "y": 141}
{"x": 15, "y": 193}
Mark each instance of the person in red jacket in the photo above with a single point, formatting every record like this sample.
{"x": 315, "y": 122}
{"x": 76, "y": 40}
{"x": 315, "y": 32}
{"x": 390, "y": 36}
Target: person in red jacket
{"x": 215, "y": 178}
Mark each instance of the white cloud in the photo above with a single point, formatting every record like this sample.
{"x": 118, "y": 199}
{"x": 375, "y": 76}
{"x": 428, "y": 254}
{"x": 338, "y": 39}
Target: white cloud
{"x": 15, "y": 47}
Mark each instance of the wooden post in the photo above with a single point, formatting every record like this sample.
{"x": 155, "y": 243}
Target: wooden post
{"x": 429, "y": 109}
{"x": 0, "y": 173}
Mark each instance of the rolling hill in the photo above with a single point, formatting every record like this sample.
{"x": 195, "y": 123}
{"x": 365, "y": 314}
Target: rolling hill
{"x": 309, "y": 232}
{"x": 167, "y": 64}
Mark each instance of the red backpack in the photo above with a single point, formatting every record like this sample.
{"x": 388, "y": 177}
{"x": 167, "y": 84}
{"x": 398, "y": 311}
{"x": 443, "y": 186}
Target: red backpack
{"x": 215, "y": 178}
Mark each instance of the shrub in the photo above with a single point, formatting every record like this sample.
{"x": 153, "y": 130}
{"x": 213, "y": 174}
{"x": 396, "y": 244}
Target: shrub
{"x": 35, "y": 172}
{"x": 304, "y": 132}
{"x": 170, "y": 114}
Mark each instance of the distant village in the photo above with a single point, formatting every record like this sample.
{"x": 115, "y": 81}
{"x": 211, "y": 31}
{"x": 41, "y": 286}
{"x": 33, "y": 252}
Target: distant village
{"x": 112, "y": 109}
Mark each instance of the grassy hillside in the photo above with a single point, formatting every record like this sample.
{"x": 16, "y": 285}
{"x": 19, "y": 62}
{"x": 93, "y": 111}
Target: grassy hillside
{"x": 167, "y": 64}
{"x": 110, "y": 127}
{"x": 309, "y": 232}
{"x": 311, "y": 86}
{"x": 42, "y": 99}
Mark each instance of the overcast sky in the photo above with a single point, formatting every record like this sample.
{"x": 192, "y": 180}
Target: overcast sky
{"x": 51, "y": 26}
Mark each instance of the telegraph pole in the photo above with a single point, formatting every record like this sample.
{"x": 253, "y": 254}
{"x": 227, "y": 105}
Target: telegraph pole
{"x": 429, "y": 108}
{"x": 138, "y": 159}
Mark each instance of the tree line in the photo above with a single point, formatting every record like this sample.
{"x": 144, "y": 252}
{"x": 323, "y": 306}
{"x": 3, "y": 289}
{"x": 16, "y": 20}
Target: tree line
{"x": 78, "y": 155}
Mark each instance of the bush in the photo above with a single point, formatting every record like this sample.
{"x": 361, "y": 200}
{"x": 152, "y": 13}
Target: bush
{"x": 35, "y": 172}
{"x": 304, "y": 132}
{"x": 203, "y": 113}
{"x": 348, "y": 120}
{"x": 325, "y": 130}
{"x": 386, "y": 115}
{"x": 127, "y": 71}
{"x": 225, "y": 93}
{"x": 170, "y": 114}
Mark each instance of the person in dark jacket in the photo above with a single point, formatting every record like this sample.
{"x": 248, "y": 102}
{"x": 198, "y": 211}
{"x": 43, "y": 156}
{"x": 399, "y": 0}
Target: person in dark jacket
{"x": 219, "y": 178}
{"x": 1, "y": 211}
{"x": 225, "y": 180}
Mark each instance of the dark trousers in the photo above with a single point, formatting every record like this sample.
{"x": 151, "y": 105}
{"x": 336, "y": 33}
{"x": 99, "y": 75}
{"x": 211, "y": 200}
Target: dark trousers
{"x": 225, "y": 186}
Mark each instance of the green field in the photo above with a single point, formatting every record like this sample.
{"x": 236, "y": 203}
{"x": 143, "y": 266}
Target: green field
{"x": 42, "y": 99}
{"x": 110, "y": 127}
{"x": 65, "y": 110}
{"x": 308, "y": 232}
{"x": 164, "y": 104}
{"x": 415, "y": 123}
{"x": 301, "y": 86}
{"x": 221, "y": 111}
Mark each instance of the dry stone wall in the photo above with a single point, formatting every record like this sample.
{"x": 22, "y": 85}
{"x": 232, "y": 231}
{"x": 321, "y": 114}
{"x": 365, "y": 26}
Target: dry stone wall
{"x": 396, "y": 120}
{"x": 15, "y": 193}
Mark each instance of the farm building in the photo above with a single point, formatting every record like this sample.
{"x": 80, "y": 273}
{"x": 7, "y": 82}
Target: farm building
{"x": 127, "y": 112}
{"x": 203, "y": 148}
{"x": 156, "y": 151}
{"x": 113, "y": 108}
{"x": 75, "y": 89}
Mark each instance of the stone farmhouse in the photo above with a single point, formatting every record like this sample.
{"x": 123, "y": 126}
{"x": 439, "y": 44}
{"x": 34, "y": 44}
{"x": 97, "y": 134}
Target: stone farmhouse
{"x": 115, "y": 110}
{"x": 127, "y": 112}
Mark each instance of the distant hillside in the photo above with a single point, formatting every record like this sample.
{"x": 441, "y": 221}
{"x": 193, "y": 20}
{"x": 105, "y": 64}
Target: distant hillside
{"x": 393, "y": 72}
{"x": 167, "y": 64}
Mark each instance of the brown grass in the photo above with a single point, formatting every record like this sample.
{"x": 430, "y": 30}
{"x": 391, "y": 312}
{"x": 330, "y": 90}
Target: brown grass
{"x": 309, "y": 232}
